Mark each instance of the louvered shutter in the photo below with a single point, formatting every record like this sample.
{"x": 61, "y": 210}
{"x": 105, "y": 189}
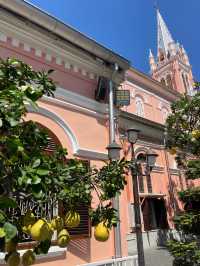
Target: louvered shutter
{"x": 83, "y": 230}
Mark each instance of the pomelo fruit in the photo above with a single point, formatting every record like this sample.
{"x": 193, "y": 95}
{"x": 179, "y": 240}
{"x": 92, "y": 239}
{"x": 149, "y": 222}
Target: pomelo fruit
{"x": 28, "y": 258}
{"x": 72, "y": 219}
{"x": 101, "y": 232}
{"x": 63, "y": 238}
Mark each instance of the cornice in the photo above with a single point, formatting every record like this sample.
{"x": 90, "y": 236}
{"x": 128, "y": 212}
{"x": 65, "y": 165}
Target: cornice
{"x": 139, "y": 88}
{"x": 73, "y": 101}
{"x": 34, "y": 17}
{"x": 174, "y": 171}
{"x": 44, "y": 47}
{"x": 151, "y": 134}
{"x": 151, "y": 85}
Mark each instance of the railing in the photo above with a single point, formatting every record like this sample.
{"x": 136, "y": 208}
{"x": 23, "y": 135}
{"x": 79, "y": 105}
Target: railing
{"x": 125, "y": 261}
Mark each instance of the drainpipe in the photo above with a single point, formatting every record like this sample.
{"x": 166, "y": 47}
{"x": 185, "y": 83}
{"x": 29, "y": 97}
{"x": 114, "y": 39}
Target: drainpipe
{"x": 117, "y": 231}
{"x": 171, "y": 187}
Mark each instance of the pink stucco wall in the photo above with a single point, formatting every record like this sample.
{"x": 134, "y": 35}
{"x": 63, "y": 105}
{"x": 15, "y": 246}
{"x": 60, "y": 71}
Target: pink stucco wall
{"x": 91, "y": 133}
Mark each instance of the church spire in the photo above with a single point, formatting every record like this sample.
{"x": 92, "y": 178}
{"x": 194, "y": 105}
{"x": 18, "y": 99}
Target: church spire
{"x": 164, "y": 36}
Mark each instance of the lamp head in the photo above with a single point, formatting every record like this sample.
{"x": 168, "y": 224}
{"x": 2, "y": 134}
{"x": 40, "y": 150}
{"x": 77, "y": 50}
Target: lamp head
{"x": 151, "y": 157}
{"x": 132, "y": 135}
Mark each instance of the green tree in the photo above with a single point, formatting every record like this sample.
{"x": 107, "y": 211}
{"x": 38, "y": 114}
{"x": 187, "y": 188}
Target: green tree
{"x": 183, "y": 128}
{"x": 27, "y": 171}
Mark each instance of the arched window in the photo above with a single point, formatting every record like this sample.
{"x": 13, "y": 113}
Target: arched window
{"x": 165, "y": 114}
{"x": 139, "y": 106}
{"x": 163, "y": 81}
{"x": 141, "y": 157}
{"x": 169, "y": 81}
{"x": 184, "y": 82}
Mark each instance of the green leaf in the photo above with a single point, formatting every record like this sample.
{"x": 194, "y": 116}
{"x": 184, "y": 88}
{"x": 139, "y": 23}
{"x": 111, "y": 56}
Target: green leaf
{"x": 36, "y": 163}
{"x": 10, "y": 231}
{"x": 1, "y": 122}
{"x": 2, "y": 232}
{"x": 6, "y": 202}
{"x": 35, "y": 180}
{"x": 12, "y": 121}
{"x": 42, "y": 172}
{"x": 2, "y": 217}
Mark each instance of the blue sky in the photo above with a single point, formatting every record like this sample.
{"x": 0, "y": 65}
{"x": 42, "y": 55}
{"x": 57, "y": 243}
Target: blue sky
{"x": 128, "y": 27}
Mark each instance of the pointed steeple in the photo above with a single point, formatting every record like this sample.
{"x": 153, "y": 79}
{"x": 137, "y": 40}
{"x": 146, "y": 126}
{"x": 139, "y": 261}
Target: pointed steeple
{"x": 164, "y": 36}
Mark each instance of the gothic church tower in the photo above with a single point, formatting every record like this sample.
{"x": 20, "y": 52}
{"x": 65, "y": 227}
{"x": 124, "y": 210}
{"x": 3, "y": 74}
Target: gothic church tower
{"x": 172, "y": 66}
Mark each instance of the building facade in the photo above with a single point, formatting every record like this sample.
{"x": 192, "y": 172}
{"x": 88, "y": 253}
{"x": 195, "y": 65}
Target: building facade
{"x": 80, "y": 123}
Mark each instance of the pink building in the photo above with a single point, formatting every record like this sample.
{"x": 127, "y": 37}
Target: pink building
{"x": 80, "y": 123}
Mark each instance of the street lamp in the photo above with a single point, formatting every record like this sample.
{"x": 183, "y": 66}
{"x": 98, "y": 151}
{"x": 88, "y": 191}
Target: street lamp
{"x": 132, "y": 135}
{"x": 151, "y": 158}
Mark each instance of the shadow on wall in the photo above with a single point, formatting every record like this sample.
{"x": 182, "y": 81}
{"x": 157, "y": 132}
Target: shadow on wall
{"x": 81, "y": 248}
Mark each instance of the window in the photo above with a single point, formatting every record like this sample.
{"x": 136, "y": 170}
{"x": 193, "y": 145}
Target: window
{"x": 141, "y": 157}
{"x": 169, "y": 81}
{"x": 184, "y": 82}
{"x": 163, "y": 81}
{"x": 139, "y": 106}
{"x": 49, "y": 209}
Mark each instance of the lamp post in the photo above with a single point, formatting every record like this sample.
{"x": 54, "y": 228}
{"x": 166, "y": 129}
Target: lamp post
{"x": 132, "y": 135}
{"x": 113, "y": 155}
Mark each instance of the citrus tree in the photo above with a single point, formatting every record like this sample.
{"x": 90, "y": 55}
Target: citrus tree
{"x": 183, "y": 127}
{"x": 27, "y": 172}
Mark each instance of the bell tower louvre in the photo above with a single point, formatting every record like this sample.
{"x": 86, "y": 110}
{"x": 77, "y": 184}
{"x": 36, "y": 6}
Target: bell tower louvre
{"x": 171, "y": 66}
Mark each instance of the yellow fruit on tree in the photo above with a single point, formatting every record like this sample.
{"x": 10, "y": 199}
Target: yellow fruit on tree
{"x": 28, "y": 218}
{"x": 72, "y": 219}
{"x": 28, "y": 258}
{"x": 27, "y": 229}
{"x": 40, "y": 231}
{"x": 196, "y": 134}
{"x": 63, "y": 238}
{"x": 57, "y": 223}
{"x": 13, "y": 259}
{"x": 10, "y": 246}
{"x": 101, "y": 232}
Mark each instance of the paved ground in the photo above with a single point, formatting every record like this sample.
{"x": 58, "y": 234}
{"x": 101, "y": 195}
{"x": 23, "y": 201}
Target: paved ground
{"x": 157, "y": 257}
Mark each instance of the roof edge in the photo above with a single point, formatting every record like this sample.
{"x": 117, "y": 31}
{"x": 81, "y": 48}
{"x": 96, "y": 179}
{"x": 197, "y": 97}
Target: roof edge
{"x": 57, "y": 27}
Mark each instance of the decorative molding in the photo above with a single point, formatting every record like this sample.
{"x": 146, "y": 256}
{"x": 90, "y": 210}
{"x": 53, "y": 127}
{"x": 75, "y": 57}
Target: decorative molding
{"x": 58, "y": 120}
{"x": 27, "y": 47}
{"x": 150, "y": 145}
{"x": 15, "y": 42}
{"x": 77, "y": 151}
{"x": 70, "y": 100}
{"x": 3, "y": 37}
{"x": 90, "y": 154}
{"x": 38, "y": 52}
{"x": 174, "y": 171}
{"x": 158, "y": 169}
{"x": 147, "y": 92}
{"x": 17, "y": 36}
{"x": 48, "y": 57}
{"x": 58, "y": 61}
{"x": 81, "y": 101}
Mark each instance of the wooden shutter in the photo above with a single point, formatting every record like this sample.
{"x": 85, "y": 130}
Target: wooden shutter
{"x": 83, "y": 230}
